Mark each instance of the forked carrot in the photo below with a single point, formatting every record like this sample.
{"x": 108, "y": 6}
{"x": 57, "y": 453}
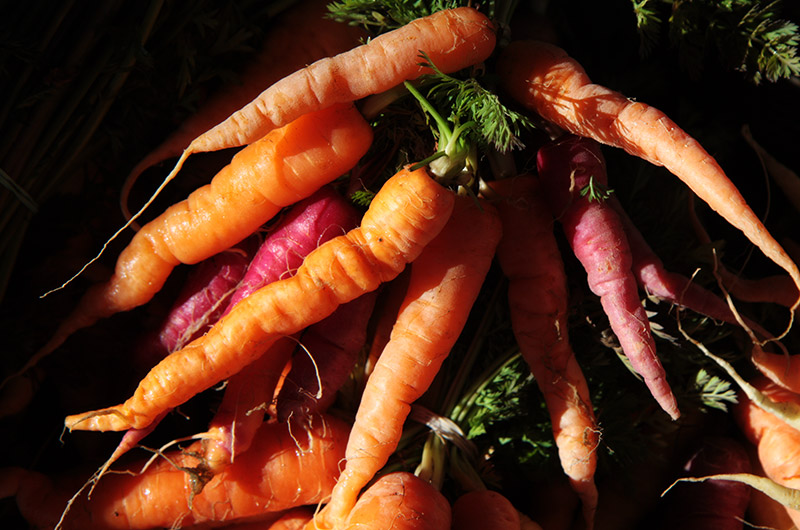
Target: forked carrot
{"x": 287, "y": 466}
{"x": 537, "y": 293}
{"x": 545, "y": 79}
{"x": 287, "y": 165}
{"x": 443, "y": 285}
{"x": 404, "y": 216}
{"x": 281, "y": 54}
{"x": 453, "y": 39}
{"x": 567, "y": 167}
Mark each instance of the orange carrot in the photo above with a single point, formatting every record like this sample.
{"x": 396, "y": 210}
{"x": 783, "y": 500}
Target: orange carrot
{"x": 545, "y": 79}
{"x": 398, "y": 501}
{"x": 287, "y": 165}
{"x": 781, "y": 369}
{"x": 537, "y": 292}
{"x": 281, "y": 54}
{"x": 484, "y": 510}
{"x": 287, "y": 466}
{"x": 443, "y": 285}
{"x": 778, "y": 444}
{"x": 404, "y": 216}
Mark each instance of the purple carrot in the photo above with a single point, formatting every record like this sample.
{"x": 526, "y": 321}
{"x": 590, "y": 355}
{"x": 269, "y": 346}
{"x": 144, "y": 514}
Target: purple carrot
{"x": 322, "y": 216}
{"x": 595, "y": 232}
{"x": 329, "y": 352}
{"x": 670, "y": 286}
{"x": 202, "y": 300}
{"x": 718, "y": 504}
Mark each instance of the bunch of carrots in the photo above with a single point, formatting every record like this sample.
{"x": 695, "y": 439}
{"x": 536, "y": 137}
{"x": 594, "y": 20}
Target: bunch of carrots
{"x": 415, "y": 294}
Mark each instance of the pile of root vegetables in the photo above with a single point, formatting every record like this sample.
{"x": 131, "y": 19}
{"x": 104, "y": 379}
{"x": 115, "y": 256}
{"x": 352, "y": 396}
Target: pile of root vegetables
{"x": 426, "y": 276}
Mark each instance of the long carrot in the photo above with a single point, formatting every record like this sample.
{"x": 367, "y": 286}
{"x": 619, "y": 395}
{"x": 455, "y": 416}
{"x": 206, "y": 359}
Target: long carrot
{"x": 287, "y": 165}
{"x": 281, "y": 54}
{"x": 595, "y": 233}
{"x": 404, "y": 216}
{"x": 545, "y": 79}
{"x": 443, "y": 285}
{"x": 287, "y": 466}
{"x": 529, "y": 256}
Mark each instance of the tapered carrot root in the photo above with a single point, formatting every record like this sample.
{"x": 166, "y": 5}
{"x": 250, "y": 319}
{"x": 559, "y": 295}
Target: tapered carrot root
{"x": 597, "y": 237}
{"x": 282, "y": 168}
{"x": 284, "y": 468}
{"x": 537, "y": 293}
{"x": 404, "y": 216}
{"x": 444, "y": 283}
{"x": 544, "y": 78}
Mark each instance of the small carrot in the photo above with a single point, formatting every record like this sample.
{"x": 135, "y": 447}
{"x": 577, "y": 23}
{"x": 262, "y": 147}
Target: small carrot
{"x": 537, "y": 292}
{"x": 398, "y": 501}
{"x": 284, "y": 167}
{"x": 484, "y": 510}
{"x": 595, "y": 233}
{"x": 545, "y": 79}
{"x": 287, "y": 466}
{"x": 443, "y": 285}
{"x": 403, "y": 217}
{"x": 281, "y": 54}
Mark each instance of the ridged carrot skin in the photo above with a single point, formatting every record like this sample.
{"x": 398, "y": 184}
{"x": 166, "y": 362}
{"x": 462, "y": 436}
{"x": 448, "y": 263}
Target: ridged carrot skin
{"x": 443, "y": 285}
{"x": 287, "y": 466}
{"x": 453, "y": 39}
{"x": 405, "y": 215}
{"x": 545, "y": 79}
{"x": 537, "y": 293}
{"x": 282, "y": 168}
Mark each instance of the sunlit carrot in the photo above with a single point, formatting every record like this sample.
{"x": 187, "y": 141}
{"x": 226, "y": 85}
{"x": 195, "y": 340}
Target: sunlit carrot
{"x": 545, "y": 79}
{"x": 404, "y": 216}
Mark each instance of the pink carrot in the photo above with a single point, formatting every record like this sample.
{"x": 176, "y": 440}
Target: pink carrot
{"x": 596, "y": 234}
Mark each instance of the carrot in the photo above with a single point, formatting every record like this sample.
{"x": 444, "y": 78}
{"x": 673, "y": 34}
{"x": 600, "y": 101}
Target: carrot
{"x": 545, "y": 79}
{"x": 484, "y": 510}
{"x": 404, "y": 216}
{"x": 287, "y": 466}
{"x": 443, "y": 285}
{"x": 320, "y": 217}
{"x": 453, "y": 39}
{"x": 309, "y": 223}
{"x": 529, "y": 256}
{"x": 783, "y": 370}
{"x": 713, "y": 504}
{"x": 281, "y": 54}
{"x": 777, "y": 444}
{"x": 398, "y": 501}
{"x": 329, "y": 351}
{"x": 284, "y": 167}
{"x": 597, "y": 237}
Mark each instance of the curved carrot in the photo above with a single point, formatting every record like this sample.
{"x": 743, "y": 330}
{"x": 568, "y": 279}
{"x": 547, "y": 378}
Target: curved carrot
{"x": 287, "y": 466}
{"x": 597, "y": 238}
{"x": 404, "y": 216}
{"x": 287, "y": 165}
{"x": 537, "y": 294}
{"x": 443, "y": 285}
{"x": 545, "y": 79}
{"x": 281, "y": 54}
